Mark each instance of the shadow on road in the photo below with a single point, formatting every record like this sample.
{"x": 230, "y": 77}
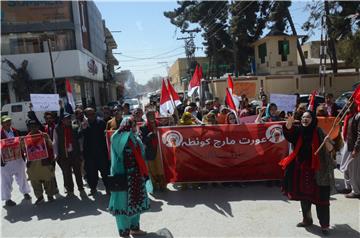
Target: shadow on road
{"x": 219, "y": 198}
{"x": 338, "y": 230}
{"x": 62, "y": 208}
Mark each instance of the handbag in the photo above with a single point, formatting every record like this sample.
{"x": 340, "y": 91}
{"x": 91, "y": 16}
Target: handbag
{"x": 117, "y": 183}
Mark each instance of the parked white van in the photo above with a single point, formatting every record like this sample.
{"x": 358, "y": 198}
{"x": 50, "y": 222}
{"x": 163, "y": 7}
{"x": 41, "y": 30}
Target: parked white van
{"x": 18, "y": 112}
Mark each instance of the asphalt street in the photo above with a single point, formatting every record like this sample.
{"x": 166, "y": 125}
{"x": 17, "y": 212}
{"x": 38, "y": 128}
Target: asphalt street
{"x": 255, "y": 210}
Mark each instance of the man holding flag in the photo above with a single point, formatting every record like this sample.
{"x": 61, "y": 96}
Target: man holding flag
{"x": 350, "y": 163}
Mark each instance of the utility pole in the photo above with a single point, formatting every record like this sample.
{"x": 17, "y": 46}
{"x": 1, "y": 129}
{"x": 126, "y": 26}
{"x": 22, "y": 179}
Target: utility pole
{"x": 52, "y": 64}
{"x": 323, "y": 50}
{"x": 189, "y": 50}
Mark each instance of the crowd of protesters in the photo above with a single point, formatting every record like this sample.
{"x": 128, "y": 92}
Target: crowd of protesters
{"x": 77, "y": 143}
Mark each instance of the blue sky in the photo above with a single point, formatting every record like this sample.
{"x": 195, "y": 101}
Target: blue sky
{"x": 146, "y": 33}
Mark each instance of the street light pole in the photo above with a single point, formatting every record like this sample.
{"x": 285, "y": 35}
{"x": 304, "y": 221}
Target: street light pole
{"x": 52, "y": 65}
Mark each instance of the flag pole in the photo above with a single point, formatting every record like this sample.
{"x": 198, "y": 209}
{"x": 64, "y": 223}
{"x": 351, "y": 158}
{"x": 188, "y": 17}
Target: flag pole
{"x": 334, "y": 124}
{"x": 172, "y": 102}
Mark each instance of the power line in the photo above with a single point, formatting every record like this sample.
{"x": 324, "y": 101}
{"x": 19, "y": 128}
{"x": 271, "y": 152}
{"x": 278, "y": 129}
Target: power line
{"x": 164, "y": 57}
{"x": 242, "y": 10}
{"x": 150, "y": 57}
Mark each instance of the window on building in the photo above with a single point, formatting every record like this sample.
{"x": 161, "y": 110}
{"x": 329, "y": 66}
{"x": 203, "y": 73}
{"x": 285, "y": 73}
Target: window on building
{"x": 27, "y": 43}
{"x": 284, "y": 49}
{"x": 306, "y": 54}
{"x": 262, "y": 52}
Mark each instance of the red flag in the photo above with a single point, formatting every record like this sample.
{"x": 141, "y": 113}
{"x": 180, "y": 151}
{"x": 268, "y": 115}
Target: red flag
{"x": 356, "y": 94}
{"x": 194, "y": 82}
{"x": 69, "y": 94}
{"x": 175, "y": 97}
{"x": 166, "y": 106}
{"x": 229, "y": 100}
{"x": 230, "y": 84}
{"x": 200, "y": 73}
{"x": 312, "y": 101}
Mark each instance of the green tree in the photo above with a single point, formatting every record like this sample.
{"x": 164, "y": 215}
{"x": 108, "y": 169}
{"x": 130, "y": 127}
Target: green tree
{"x": 349, "y": 50}
{"x": 340, "y": 22}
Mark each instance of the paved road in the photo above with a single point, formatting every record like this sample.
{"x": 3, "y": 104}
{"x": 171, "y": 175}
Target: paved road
{"x": 253, "y": 211}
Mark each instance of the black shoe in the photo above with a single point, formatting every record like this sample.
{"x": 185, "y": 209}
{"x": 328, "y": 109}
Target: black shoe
{"x": 352, "y": 195}
{"x": 325, "y": 231}
{"x": 344, "y": 191}
{"x": 27, "y": 196}
{"x": 39, "y": 200}
{"x": 305, "y": 223}
{"x": 50, "y": 198}
{"x": 10, "y": 203}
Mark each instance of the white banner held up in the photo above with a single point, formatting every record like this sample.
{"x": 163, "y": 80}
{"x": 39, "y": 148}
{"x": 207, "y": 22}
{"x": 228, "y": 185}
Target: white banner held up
{"x": 45, "y": 102}
{"x": 284, "y": 102}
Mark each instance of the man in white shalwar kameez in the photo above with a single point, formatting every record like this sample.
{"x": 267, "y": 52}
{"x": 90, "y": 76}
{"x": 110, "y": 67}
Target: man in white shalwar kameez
{"x": 12, "y": 168}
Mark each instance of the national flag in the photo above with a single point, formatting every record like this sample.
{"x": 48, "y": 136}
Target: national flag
{"x": 195, "y": 82}
{"x": 166, "y": 106}
{"x": 229, "y": 100}
{"x": 69, "y": 94}
{"x": 312, "y": 101}
{"x": 173, "y": 94}
{"x": 200, "y": 73}
{"x": 356, "y": 94}
{"x": 230, "y": 83}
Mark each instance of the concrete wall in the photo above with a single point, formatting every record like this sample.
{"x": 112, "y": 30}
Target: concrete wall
{"x": 290, "y": 84}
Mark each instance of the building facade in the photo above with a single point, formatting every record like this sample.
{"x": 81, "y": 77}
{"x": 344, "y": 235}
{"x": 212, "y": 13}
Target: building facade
{"x": 276, "y": 53}
{"x": 178, "y": 72}
{"x": 79, "y": 45}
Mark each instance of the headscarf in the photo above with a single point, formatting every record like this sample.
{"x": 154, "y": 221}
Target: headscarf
{"x": 268, "y": 116}
{"x": 228, "y": 116}
{"x": 308, "y": 133}
{"x": 186, "y": 119}
{"x": 128, "y": 137}
{"x": 211, "y": 118}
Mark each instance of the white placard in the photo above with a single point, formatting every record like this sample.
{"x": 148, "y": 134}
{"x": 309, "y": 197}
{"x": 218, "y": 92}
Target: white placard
{"x": 284, "y": 102}
{"x": 45, "y": 102}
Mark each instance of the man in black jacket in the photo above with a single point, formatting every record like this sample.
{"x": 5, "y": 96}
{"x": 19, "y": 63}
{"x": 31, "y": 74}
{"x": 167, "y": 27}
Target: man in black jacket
{"x": 95, "y": 151}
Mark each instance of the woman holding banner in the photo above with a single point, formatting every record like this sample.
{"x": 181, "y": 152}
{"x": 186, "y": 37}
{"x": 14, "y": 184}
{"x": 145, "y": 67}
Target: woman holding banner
{"x": 149, "y": 138}
{"x": 308, "y": 177}
{"x": 41, "y": 168}
{"x": 129, "y": 175}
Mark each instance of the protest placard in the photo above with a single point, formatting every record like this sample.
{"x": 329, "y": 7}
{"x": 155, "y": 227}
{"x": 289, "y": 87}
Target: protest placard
{"x": 284, "y": 102}
{"x": 10, "y": 149}
{"x": 36, "y": 147}
{"x": 45, "y": 102}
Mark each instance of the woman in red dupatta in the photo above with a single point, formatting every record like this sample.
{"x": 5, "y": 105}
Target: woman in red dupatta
{"x": 308, "y": 177}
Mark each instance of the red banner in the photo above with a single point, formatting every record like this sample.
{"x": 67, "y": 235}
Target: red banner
{"x": 10, "y": 149}
{"x": 36, "y": 147}
{"x": 222, "y": 153}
